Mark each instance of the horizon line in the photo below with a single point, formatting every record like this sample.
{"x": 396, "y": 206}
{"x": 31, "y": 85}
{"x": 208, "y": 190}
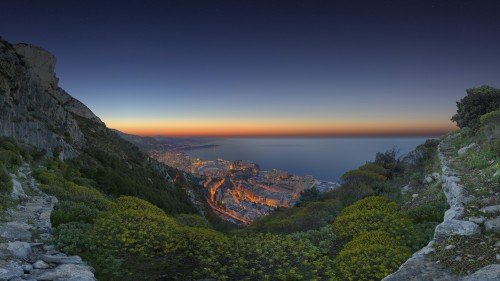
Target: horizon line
{"x": 298, "y": 135}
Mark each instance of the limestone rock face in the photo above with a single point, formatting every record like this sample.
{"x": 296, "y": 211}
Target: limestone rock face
{"x": 41, "y": 64}
{"x": 464, "y": 149}
{"x": 33, "y": 108}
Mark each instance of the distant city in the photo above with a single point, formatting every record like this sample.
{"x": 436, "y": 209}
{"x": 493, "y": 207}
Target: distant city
{"x": 239, "y": 191}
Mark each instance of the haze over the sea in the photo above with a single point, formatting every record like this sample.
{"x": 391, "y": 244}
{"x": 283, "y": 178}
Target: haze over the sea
{"x": 323, "y": 158}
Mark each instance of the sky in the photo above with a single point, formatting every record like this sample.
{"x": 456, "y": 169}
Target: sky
{"x": 266, "y": 68}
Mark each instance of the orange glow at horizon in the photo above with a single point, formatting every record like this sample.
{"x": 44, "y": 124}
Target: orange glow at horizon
{"x": 274, "y": 128}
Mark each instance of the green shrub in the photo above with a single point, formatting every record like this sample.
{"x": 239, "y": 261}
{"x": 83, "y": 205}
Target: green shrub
{"x": 9, "y": 158}
{"x": 371, "y": 256}
{"x": 422, "y": 233}
{"x": 68, "y": 211}
{"x": 379, "y": 203}
{"x": 485, "y": 118}
{"x": 5, "y": 180}
{"x": 372, "y": 214}
{"x": 192, "y": 220}
{"x": 349, "y": 193}
{"x": 479, "y": 160}
{"x": 76, "y": 238}
{"x": 63, "y": 189}
{"x": 8, "y": 145}
{"x": 322, "y": 238}
{"x": 277, "y": 257}
{"x": 73, "y": 238}
{"x": 198, "y": 252}
{"x": 356, "y": 177}
{"x": 134, "y": 226}
{"x": 311, "y": 216}
{"x": 374, "y": 167}
{"x": 428, "y": 212}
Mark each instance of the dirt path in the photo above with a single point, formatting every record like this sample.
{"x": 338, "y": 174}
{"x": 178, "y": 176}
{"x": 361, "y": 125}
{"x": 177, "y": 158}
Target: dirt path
{"x": 26, "y": 251}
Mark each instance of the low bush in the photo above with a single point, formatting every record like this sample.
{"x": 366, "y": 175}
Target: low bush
{"x": 322, "y": 238}
{"x": 134, "y": 226}
{"x": 73, "y": 238}
{"x": 68, "y": 211}
{"x": 5, "y": 180}
{"x": 314, "y": 215}
{"x": 76, "y": 238}
{"x": 371, "y": 256}
{"x": 372, "y": 214}
{"x": 192, "y": 220}
{"x": 9, "y": 158}
{"x": 488, "y": 117}
{"x": 63, "y": 189}
{"x": 277, "y": 257}
{"x": 432, "y": 211}
{"x": 356, "y": 177}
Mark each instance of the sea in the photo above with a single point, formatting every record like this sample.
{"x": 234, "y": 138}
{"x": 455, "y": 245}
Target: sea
{"x": 323, "y": 158}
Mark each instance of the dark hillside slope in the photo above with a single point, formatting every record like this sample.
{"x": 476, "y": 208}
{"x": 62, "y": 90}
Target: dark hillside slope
{"x": 35, "y": 110}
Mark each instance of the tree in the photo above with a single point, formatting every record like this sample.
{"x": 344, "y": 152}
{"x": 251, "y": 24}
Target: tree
{"x": 476, "y": 103}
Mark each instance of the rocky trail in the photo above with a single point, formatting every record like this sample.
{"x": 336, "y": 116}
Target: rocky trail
{"x": 423, "y": 265}
{"x": 26, "y": 251}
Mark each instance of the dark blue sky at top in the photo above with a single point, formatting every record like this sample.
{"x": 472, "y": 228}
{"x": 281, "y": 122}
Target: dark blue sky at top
{"x": 318, "y": 60}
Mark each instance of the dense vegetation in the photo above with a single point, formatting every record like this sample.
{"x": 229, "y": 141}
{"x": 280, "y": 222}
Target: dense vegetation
{"x": 118, "y": 167}
{"x": 126, "y": 238}
{"x": 118, "y": 212}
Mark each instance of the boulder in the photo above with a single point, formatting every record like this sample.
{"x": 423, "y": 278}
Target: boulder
{"x": 487, "y": 273}
{"x": 490, "y": 209}
{"x": 19, "y": 249}
{"x": 27, "y": 268}
{"x": 66, "y": 272}
{"x": 10, "y": 270}
{"x": 17, "y": 192}
{"x": 15, "y": 231}
{"x": 428, "y": 179}
{"x": 454, "y": 213}
{"x": 62, "y": 259}
{"x": 39, "y": 264}
{"x": 492, "y": 225}
{"x": 456, "y": 227}
{"x": 478, "y": 220}
{"x": 464, "y": 149}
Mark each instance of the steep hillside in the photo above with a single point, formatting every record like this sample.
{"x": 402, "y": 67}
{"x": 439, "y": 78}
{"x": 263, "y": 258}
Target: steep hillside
{"x": 35, "y": 110}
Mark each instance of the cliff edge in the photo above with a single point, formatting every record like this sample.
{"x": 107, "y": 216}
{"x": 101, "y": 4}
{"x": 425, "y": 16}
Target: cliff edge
{"x": 33, "y": 108}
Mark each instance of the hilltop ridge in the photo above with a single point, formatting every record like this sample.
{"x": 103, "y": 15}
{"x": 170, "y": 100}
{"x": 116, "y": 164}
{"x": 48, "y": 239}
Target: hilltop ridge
{"x": 34, "y": 109}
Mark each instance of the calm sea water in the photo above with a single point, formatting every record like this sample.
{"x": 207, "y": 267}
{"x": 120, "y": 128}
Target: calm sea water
{"x": 323, "y": 158}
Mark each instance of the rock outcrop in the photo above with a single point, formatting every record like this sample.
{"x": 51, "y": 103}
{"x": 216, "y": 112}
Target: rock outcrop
{"x": 27, "y": 253}
{"x": 422, "y": 265}
{"x": 33, "y": 108}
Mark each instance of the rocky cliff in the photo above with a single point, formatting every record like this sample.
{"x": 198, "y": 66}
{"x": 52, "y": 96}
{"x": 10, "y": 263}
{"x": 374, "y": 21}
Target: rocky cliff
{"x": 33, "y": 108}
